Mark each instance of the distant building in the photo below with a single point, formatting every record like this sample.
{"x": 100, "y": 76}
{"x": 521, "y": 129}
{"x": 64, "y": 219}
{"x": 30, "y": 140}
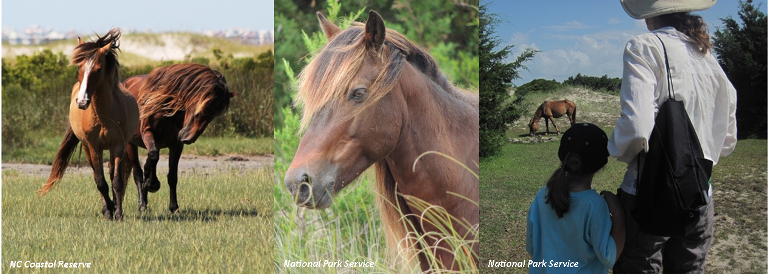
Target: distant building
{"x": 36, "y": 35}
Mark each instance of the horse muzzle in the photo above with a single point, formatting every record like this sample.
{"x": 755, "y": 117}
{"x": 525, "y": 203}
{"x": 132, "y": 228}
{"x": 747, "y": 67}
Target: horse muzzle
{"x": 83, "y": 104}
{"x": 308, "y": 192}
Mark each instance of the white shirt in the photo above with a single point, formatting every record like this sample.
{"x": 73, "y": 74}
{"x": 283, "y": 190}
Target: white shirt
{"x": 697, "y": 80}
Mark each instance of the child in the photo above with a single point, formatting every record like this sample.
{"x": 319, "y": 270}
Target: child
{"x": 569, "y": 225}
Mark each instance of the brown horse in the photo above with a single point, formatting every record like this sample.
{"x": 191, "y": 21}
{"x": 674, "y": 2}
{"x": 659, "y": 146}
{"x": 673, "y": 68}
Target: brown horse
{"x": 550, "y": 110}
{"x": 177, "y": 103}
{"x": 103, "y": 116}
{"x": 371, "y": 97}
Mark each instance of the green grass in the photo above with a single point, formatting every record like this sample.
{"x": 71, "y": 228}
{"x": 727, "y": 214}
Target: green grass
{"x": 44, "y": 149}
{"x": 224, "y": 224}
{"x": 350, "y": 230}
{"x": 510, "y": 180}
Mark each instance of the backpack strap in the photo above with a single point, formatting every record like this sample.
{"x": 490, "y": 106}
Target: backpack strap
{"x": 670, "y": 87}
{"x": 670, "y": 92}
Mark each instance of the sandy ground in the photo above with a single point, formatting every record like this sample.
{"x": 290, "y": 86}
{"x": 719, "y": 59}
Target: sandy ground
{"x": 187, "y": 163}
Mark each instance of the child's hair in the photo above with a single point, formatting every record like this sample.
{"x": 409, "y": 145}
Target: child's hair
{"x": 583, "y": 151}
{"x": 558, "y": 187}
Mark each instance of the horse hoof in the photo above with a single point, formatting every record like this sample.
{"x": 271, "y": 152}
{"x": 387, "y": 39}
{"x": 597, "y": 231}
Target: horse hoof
{"x": 152, "y": 187}
{"x": 173, "y": 208}
{"x": 142, "y": 208}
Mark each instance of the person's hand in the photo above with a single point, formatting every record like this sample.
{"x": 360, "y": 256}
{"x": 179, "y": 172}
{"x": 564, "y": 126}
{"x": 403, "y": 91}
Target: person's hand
{"x": 617, "y": 217}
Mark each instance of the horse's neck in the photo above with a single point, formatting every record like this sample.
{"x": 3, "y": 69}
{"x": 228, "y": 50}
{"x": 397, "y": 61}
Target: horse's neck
{"x": 436, "y": 120}
{"x": 536, "y": 116}
{"x": 104, "y": 99}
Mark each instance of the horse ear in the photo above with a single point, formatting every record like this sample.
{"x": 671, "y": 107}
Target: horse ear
{"x": 79, "y": 41}
{"x": 105, "y": 48}
{"x": 375, "y": 32}
{"x": 328, "y": 28}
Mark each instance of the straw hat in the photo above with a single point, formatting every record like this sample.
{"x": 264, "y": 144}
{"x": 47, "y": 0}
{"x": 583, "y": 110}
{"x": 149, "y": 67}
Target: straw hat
{"x": 641, "y": 9}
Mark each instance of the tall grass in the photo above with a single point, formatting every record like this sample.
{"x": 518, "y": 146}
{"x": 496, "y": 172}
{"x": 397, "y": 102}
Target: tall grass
{"x": 224, "y": 224}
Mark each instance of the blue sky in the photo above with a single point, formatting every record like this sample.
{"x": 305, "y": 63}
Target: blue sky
{"x": 87, "y": 16}
{"x": 586, "y": 36}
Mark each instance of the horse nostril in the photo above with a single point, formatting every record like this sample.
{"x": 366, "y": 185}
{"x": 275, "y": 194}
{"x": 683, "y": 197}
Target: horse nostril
{"x": 304, "y": 179}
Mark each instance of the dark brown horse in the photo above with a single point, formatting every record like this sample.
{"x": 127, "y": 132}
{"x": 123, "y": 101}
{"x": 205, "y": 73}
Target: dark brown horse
{"x": 550, "y": 110}
{"x": 176, "y": 103}
{"x": 103, "y": 116}
{"x": 371, "y": 97}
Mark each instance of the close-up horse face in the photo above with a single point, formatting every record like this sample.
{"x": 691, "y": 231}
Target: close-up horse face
{"x": 91, "y": 75}
{"x": 195, "y": 122}
{"x": 345, "y": 137}
{"x": 343, "y": 141}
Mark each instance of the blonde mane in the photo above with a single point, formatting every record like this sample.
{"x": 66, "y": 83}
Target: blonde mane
{"x": 325, "y": 81}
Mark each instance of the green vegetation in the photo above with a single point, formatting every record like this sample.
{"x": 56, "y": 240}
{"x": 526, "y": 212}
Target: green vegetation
{"x": 741, "y": 53}
{"x": 496, "y": 107}
{"x": 605, "y": 84}
{"x": 224, "y": 224}
{"x": 37, "y": 88}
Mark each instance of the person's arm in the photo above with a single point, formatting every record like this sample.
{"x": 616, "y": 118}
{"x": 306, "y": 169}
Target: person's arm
{"x": 637, "y": 97}
{"x": 618, "y": 229}
{"x": 730, "y": 138}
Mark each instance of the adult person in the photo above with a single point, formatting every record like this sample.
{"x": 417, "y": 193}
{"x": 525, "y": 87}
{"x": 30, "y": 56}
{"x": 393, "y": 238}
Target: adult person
{"x": 710, "y": 101}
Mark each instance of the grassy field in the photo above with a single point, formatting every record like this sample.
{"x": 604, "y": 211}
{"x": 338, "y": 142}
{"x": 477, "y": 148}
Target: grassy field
{"x": 224, "y": 224}
{"x": 510, "y": 180}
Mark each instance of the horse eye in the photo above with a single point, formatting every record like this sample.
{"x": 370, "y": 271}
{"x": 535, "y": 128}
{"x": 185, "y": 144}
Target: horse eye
{"x": 358, "y": 94}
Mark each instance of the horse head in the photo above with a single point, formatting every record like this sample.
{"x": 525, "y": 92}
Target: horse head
{"x": 97, "y": 66}
{"x": 203, "y": 108}
{"x": 352, "y": 118}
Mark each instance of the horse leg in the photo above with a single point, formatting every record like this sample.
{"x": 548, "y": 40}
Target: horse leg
{"x": 94, "y": 158}
{"x": 546, "y": 121}
{"x": 174, "y": 154}
{"x": 151, "y": 183}
{"x": 553, "y": 123}
{"x": 132, "y": 151}
{"x": 117, "y": 158}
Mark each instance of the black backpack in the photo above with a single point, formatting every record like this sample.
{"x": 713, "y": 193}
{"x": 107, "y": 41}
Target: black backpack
{"x": 673, "y": 183}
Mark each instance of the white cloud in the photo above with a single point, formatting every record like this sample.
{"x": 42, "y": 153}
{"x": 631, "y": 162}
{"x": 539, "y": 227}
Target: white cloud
{"x": 572, "y": 25}
{"x": 518, "y": 38}
{"x": 592, "y": 54}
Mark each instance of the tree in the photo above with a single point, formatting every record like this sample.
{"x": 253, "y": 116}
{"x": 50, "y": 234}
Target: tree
{"x": 495, "y": 78}
{"x": 741, "y": 52}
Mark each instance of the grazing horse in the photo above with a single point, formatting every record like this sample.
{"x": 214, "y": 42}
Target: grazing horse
{"x": 550, "y": 110}
{"x": 176, "y": 103}
{"x": 103, "y": 116}
{"x": 371, "y": 97}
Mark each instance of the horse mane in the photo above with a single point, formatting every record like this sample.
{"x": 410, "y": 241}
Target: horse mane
{"x": 537, "y": 115}
{"x": 325, "y": 80}
{"x": 85, "y": 51}
{"x": 182, "y": 87}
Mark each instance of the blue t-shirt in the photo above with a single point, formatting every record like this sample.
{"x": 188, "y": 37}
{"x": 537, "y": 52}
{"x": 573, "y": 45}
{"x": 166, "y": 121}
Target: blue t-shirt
{"x": 582, "y": 236}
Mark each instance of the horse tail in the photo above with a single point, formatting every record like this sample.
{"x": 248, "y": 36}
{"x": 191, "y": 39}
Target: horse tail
{"x": 61, "y": 161}
{"x": 395, "y": 218}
